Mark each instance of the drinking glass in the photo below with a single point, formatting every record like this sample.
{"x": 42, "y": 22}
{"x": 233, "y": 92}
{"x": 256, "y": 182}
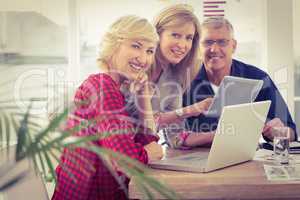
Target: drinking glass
{"x": 281, "y": 144}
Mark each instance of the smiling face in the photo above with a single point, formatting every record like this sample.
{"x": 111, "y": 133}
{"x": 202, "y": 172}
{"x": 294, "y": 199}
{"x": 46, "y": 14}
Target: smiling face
{"x": 176, "y": 42}
{"x": 132, "y": 56}
{"x": 216, "y": 48}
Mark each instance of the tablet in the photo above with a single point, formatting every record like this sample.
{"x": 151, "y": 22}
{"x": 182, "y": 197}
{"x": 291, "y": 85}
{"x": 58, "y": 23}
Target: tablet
{"x": 234, "y": 90}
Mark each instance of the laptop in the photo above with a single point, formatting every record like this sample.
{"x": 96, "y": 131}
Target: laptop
{"x": 234, "y": 90}
{"x": 235, "y": 141}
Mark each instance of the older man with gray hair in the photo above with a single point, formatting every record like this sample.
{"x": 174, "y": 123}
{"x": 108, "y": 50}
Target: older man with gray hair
{"x": 217, "y": 46}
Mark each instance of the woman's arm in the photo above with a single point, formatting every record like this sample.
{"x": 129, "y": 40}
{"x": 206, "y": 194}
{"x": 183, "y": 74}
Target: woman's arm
{"x": 142, "y": 89}
{"x": 182, "y": 113}
{"x": 199, "y": 139}
{"x": 145, "y": 108}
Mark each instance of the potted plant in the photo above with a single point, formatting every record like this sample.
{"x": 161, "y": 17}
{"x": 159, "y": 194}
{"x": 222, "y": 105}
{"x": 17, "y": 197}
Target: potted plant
{"x": 42, "y": 145}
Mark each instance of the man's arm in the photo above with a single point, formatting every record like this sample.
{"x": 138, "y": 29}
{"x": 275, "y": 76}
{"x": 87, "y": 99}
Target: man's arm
{"x": 279, "y": 115}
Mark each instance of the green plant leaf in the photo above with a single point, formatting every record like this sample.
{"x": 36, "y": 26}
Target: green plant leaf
{"x": 53, "y": 125}
{"x": 1, "y": 133}
{"x": 50, "y": 164}
{"x": 41, "y": 161}
{"x": 21, "y": 137}
{"x": 50, "y": 177}
{"x": 7, "y": 130}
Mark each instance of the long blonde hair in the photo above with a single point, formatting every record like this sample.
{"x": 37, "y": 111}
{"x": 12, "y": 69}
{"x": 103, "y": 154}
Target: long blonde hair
{"x": 126, "y": 27}
{"x": 175, "y": 16}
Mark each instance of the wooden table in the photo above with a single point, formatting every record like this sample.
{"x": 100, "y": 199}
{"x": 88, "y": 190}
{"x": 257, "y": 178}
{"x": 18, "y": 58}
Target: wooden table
{"x": 243, "y": 181}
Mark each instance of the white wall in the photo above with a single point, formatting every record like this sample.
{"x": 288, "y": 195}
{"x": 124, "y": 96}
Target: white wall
{"x": 296, "y": 26}
{"x": 279, "y": 36}
{"x": 55, "y": 10}
{"x": 247, "y": 17}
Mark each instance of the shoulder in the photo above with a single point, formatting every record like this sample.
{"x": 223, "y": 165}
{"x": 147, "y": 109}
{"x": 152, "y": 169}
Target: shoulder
{"x": 96, "y": 82}
{"x": 96, "y": 85}
{"x": 99, "y": 79}
{"x": 249, "y": 71}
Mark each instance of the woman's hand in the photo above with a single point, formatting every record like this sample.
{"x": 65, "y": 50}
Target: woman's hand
{"x": 197, "y": 108}
{"x": 143, "y": 92}
{"x": 141, "y": 84}
{"x": 154, "y": 151}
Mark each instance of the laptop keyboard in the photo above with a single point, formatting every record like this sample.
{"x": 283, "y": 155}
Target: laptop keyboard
{"x": 192, "y": 157}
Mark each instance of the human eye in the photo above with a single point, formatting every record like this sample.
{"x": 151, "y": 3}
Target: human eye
{"x": 222, "y": 42}
{"x": 208, "y": 43}
{"x": 175, "y": 35}
{"x": 150, "y": 51}
{"x": 190, "y": 37}
{"x": 135, "y": 46}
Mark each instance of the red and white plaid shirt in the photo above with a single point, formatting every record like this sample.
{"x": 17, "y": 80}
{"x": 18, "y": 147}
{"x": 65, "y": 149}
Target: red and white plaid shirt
{"x": 81, "y": 174}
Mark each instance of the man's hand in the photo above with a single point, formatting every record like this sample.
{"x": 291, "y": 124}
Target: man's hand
{"x": 154, "y": 151}
{"x": 270, "y": 126}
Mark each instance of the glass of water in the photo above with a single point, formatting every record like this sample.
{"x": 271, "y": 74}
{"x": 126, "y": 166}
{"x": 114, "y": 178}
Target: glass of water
{"x": 281, "y": 144}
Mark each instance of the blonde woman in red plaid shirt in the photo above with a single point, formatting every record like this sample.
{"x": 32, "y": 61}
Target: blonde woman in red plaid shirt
{"x": 127, "y": 50}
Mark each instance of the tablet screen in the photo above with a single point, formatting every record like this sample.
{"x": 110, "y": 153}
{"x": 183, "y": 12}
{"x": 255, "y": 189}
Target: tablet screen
{"x": 232, "y": 91}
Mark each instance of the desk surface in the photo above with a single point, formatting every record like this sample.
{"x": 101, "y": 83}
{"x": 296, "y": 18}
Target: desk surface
{"x": 243, "y": 181}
